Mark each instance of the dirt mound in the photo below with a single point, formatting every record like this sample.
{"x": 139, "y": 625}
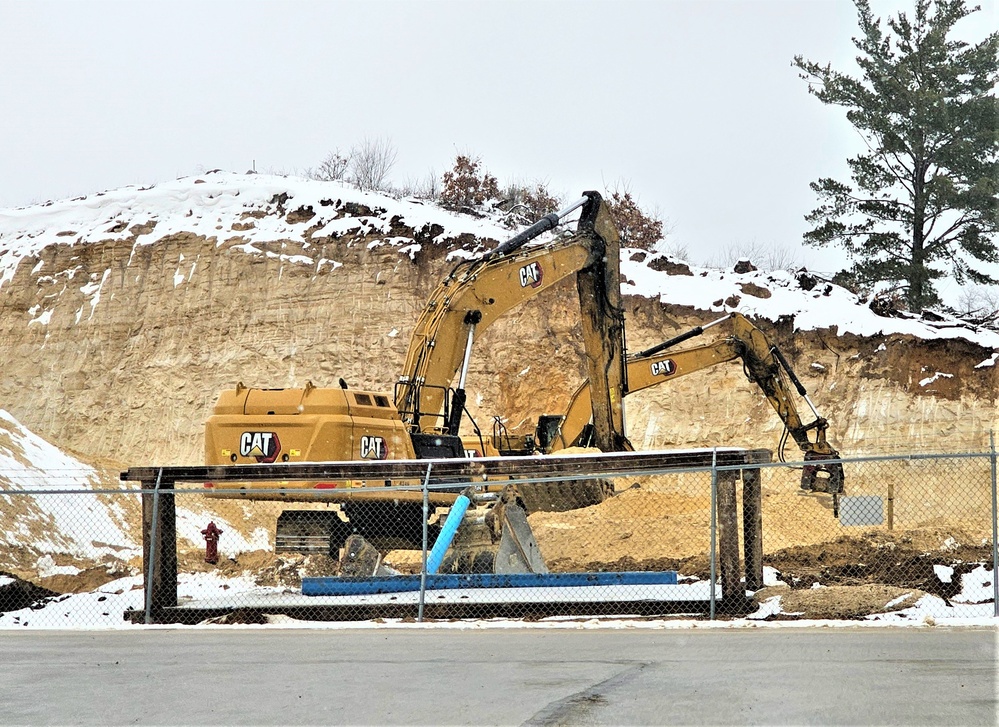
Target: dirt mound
{"x": 83, "y": 582}
{"x": 16, "y": 593}
{"x": 266, "y": 568}
{"x": 850, "y": 561}
{"x": 838, "y": 602}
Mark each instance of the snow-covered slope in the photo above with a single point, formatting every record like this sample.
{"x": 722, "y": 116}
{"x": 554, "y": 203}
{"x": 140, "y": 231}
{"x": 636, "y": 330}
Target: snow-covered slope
{"x": 256, "y": 209}
{"x": 61, "y": 516}
{"x": 251, "y": 212}
{"x": 67, "y": 529}
{"x": 813, "y": 303}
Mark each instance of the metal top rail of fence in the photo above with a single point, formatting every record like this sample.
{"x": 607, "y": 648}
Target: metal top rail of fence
{"x": 566, "y": 466}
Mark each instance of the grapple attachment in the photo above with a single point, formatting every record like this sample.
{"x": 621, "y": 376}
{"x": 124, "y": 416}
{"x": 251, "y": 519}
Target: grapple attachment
{"x": 819, "y": 475}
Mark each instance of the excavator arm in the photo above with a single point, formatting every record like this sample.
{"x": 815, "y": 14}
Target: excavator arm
{"x": 477, "y": 292}
{"x": 764, "y": 365}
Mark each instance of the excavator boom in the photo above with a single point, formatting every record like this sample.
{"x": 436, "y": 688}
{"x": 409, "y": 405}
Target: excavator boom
{"x": 764, "y": 365}
{"x": 477, "y": 292}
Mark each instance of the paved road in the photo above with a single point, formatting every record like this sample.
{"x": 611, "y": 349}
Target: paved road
{"x": 442, "y": 676}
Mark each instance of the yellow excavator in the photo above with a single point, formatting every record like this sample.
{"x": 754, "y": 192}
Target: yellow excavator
{"x": 421, "y": 418}
{"x": 763, "y": 364}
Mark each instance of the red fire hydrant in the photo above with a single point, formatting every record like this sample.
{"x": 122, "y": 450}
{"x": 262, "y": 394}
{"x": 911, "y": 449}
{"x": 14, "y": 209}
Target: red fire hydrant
{"x": 212, "y": 533}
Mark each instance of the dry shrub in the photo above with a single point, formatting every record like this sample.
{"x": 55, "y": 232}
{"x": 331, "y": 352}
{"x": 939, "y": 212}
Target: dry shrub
{"x": 637, "y": 228}
{"x": 467, "y": 187}
{"x": 528, "y": 203}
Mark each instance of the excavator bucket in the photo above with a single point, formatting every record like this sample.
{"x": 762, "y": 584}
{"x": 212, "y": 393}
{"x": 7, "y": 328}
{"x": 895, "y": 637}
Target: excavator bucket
{"x": 562, "y": 495}
{"x": 518, "y": 551}
{"x": 497, "y": 540}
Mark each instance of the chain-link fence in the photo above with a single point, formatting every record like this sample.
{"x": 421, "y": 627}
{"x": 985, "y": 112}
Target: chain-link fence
{"x": 910, "y": 539}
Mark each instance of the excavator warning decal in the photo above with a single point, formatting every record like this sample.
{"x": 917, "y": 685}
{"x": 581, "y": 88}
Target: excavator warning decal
{"x": 663, "y": 368}
{"x": 530, "y": 275}
{"x": 373, "y": 447}
{"x": 264, "y": 446}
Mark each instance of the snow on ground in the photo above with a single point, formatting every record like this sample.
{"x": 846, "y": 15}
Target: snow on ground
{"x": 823, "y": 306}
{"x": 190, "y": 524}
{"x": 55, "y": 519}
{"x": 54, "y": 511}
{"x": 973, "y": 605}
{"x": 104, "y": 608}
{"x": 219, "y": 206}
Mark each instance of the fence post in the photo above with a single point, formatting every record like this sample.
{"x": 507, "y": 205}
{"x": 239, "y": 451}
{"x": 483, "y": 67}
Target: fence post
{"x": 752, "y": 526}
{"x": 714, "y": 526}
{"x": 727, "y": 510}
{"x": 159, "y": 541}
{"x": 995, "y": 545}
{"x": 426, "y": 518}
{"x": 149, "y": 551}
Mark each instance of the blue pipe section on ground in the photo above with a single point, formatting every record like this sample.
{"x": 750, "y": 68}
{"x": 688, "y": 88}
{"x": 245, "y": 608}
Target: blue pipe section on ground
{"x": 340, "y": 586}
{"x": 450, "y": 527}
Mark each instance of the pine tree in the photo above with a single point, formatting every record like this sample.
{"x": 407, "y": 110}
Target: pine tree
{"x": 923, "y": 198}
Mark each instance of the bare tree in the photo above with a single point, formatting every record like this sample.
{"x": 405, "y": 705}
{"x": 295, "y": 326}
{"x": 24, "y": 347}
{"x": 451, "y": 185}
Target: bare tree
{"x": 673, "y": 248}
{"x": 765, "y": 257}
{"x": 527, "y": 202}
{"x": 370, "y": 163}
{"x": 426, "y": 187}
{"x": 977, "y": 301}
{"x": 333, "y": 168}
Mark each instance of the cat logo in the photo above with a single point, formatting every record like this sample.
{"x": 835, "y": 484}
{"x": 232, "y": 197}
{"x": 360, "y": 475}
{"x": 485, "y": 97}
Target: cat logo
{"x": 530, "y": 275}
{"x": 664, "y": 368}
{"x": 373, "y": 447}
{"x": 264, "y": 446}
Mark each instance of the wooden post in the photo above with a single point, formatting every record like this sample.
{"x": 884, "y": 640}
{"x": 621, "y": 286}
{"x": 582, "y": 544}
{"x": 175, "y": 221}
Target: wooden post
{"x": 752, "y": 527}
{"x": 891, "y": 505}
{"x": 733, "y": 594}
{"x": 159, "y": 545}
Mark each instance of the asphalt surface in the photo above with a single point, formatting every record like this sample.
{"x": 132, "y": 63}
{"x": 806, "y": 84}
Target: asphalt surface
{"x": 440, "y": 676}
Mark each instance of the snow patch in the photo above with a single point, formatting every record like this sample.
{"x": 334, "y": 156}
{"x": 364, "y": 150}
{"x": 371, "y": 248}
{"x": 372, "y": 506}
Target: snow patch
{"x": 930, "y": 379}
{"x": 944, "y": 573}
{"x": 990, "y": 361}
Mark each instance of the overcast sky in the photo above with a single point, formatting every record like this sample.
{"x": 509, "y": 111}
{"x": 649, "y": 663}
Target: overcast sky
{"x": 691, "y": 104}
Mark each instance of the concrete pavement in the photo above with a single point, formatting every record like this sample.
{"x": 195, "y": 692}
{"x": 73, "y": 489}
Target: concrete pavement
{"x": 535, "y": 676}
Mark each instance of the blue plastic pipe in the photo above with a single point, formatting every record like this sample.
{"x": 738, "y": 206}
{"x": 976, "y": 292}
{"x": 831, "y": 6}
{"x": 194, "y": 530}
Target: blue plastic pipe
{"x": 450, "y": 527}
